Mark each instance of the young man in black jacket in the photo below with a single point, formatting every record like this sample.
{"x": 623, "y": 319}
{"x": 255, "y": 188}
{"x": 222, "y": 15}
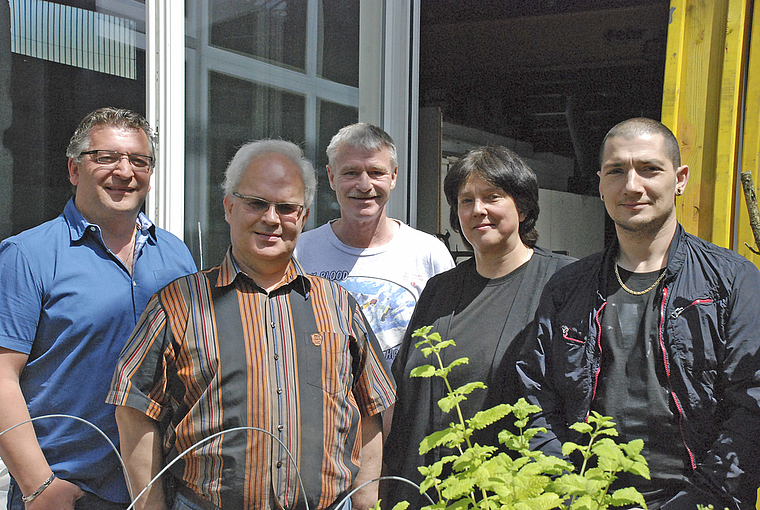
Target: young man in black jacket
{"x": 661, "y": 332}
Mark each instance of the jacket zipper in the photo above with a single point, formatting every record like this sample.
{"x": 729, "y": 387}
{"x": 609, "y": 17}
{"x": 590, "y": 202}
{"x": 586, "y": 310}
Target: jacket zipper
{"x": 678, "y": 311}
{"x": 598, "y": 322}
{"x": 675, "y": 314}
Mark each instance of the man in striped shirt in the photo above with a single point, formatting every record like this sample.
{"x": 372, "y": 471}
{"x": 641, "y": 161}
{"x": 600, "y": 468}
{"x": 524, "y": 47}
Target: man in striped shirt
{"x": 256, "y": 343}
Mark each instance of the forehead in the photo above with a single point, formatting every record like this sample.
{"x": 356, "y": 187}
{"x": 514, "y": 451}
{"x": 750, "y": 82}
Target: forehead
{"x": 110, "y": 137}
{"x": 274, "y": 177}
{"x": 476, "y": 183}
{"x": 348, "y": 155}
{"x": 647, "y": 146}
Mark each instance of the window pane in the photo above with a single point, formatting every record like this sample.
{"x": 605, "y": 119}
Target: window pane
{"x": 60, "y": 62}
{"x": 238, "y": 111}
{"x": 273, "y": 31}
{"x": 332, "y": 117}
{"x": 339, "y": 41}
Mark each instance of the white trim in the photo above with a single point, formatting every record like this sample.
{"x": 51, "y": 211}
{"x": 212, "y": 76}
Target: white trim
{"x": 165, "y": 62}
{"x": 399, "y": 85}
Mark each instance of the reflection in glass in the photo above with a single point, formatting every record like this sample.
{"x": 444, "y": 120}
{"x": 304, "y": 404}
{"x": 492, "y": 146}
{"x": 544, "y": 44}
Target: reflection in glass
{"x": 239, "y": 111}
{"x": 270, "y": 30}
{"x": 332, "y": 117}
{"x": 338, "y": 58}
{"x": 59, "y": 63}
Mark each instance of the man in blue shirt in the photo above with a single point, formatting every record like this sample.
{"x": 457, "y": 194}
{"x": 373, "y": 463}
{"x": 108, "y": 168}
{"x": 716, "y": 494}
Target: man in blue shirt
{"x": 72, "y": 291}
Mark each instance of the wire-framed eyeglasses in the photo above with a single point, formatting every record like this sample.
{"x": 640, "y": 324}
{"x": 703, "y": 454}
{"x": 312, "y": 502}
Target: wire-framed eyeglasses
{"x": 257, "y": 205}
{"x": 139, "y": 162}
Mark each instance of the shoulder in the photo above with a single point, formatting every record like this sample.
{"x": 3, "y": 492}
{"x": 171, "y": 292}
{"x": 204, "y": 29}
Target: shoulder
{"x": 40, "y": 243}
{"x": 423, "y": 244}
{"x": 408, "y": 233}
{"x": 577, "y": 274}
{"x": 701, "y": 258}
{"x": 320, "y": 238}
{"x": 314, "y": 234}
{"x": 556, "y": 260}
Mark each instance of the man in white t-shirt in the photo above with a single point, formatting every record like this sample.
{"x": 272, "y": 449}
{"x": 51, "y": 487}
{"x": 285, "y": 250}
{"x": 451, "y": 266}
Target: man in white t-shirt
{"x": 383, "y": 262}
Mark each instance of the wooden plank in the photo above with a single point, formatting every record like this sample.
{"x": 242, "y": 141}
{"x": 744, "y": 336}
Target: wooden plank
{"x": 729, "y": 120}
{"x": 750, "y": 160}
{"x": 691, "y": 95}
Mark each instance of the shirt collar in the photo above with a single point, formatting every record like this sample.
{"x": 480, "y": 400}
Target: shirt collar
{"x": 295, "y": 275}
{"x": 78, "y": 224}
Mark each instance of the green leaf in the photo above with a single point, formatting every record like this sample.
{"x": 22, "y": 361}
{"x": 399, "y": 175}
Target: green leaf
{"x": 484, "y": 418}
{"x": 450, "y": 401}
{"x": 583, "y": 428}
{"x": 439, "y": 438}
{"x": 627, "y": 496}
{"x": 569, "y": 447}
{"x": 402, "y": 505}
{"x": 423, "y": 371}
{"x": 632, "y": 448}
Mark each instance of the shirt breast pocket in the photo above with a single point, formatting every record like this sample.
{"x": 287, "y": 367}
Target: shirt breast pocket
{"x": 325, "y": 362}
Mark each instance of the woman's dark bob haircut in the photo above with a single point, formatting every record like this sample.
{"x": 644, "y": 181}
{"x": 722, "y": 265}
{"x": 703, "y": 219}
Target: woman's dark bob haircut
{"x": 504, "y": 169}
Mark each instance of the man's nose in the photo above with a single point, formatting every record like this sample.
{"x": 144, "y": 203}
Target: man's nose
{"x": 270, "y": 215}
{"x": 364, "y": 183}
{"x": 632, "y": 180}
{"x": 123, "y": 168}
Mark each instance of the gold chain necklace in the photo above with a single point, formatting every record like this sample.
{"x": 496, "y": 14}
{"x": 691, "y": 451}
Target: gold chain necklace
{"x": 637, "y": 292}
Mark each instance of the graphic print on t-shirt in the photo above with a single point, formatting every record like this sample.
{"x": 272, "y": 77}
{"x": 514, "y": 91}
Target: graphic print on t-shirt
{"x": 388, "y": 307}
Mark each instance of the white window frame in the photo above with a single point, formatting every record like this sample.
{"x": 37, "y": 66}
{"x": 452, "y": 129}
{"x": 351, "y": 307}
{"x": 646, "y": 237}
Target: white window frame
{"x": 387, "y": 95}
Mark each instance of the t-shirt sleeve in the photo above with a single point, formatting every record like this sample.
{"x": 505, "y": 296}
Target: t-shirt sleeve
{"x": 140, "y": 378}
{"x": 20, "y": 299}
{"x": 375, "y": 389}
{"x": 440, "y": 256}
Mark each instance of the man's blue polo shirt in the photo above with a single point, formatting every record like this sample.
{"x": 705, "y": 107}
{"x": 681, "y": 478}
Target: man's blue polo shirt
{"x": 70, "y": 303}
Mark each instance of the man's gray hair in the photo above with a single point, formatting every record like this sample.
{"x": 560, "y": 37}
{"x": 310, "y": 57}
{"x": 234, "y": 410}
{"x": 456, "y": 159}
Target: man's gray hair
{"x": 252, "y": 150}
{"x": 108, "y": 116}
{"x": 364, "y": 136}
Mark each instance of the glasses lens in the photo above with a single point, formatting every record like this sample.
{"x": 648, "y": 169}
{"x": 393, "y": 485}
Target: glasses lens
{"x": 107, "y": 157}
{"x": 112, "y": 158}
{"x": 257, "y": 206}
{"x": 287, "y": 209}
{"x": 139, "y": 161}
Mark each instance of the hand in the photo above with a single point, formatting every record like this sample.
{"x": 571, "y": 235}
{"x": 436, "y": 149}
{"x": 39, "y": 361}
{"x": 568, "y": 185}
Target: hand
{"x": 60, "y": 495}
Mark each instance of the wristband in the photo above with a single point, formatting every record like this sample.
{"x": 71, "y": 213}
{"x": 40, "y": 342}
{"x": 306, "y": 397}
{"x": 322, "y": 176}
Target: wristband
{"x": 31, "y": 497}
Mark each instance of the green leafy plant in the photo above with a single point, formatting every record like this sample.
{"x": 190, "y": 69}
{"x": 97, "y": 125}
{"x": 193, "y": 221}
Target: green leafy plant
{"x": 474, "y": 476}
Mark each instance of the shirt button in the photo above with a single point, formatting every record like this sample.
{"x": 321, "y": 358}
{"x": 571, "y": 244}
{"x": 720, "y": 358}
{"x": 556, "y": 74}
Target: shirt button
{"x": 279, "y": 464}
{"x": 280, "y": 427}
{"x": 134, "y": 284}
{"x": 276, "y": 356}
{"x": 93, "y": 228}
{"x": 279, "y": 391}
{"x": 272, "y": 324}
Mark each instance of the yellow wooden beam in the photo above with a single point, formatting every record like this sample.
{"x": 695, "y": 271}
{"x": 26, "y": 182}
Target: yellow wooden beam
{"x": 750, "y": 160}
{"x": 691, "y": 98}
{"x": 729, "y": 123}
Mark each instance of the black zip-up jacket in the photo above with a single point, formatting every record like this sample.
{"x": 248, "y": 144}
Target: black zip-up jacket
{"x": 709, "y": 336}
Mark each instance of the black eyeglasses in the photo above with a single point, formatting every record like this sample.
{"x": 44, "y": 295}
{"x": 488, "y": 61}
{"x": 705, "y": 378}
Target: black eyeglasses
{"x": 258, "y": 205}
{"x": 139, "y": 162}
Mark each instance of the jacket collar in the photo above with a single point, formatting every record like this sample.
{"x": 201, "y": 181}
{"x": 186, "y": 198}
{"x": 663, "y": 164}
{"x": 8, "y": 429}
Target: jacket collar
{"x": 675, "y": 259}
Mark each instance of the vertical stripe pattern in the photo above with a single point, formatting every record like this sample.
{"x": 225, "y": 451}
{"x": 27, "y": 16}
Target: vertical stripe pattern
{"x": 214, "y": 351}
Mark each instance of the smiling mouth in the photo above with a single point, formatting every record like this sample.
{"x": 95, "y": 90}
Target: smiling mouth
{"x": 269, "y": 235}
{"x": 119, "y": 190}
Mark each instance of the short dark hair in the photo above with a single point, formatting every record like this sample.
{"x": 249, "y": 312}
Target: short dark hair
{"x": 108, "y": 116}
{"x": 504, "y": 169}
{"x": 644, "y": 126}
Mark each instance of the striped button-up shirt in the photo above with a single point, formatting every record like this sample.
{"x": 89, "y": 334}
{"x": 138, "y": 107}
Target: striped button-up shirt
{"x": 213, "y": 351}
